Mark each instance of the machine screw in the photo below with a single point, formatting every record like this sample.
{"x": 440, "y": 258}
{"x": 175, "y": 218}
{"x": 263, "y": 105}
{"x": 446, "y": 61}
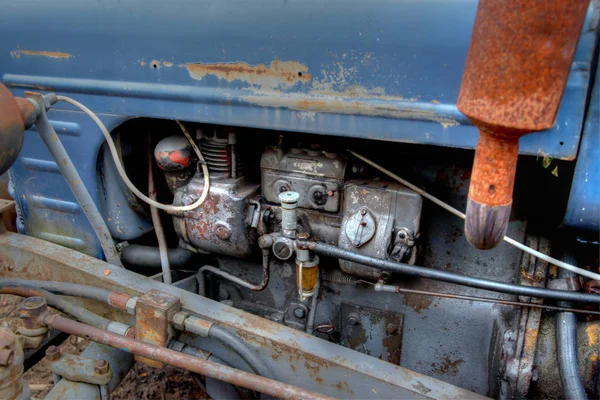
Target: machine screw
{"x": 353, "y": 319}
{"x": 390, "y": 329}
{"x": 6, "y": 357}
{"x": 53, "y": 353}
{"x": 299, "y": 313}
{"x": 101, "y": 367}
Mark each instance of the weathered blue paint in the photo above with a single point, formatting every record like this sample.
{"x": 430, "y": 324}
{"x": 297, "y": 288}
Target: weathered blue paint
{"x": 46, "y": 207}
{"x": 371, "y": 64}
{"x": 583, "y": 210}
{"x": 387, "y": 70}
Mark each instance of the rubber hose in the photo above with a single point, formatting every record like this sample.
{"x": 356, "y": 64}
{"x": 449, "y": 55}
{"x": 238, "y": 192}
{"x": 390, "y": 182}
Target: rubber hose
{"x": 63, "y": 288}
{"x": 240, "y": 348}
{"x": 148, "y": 256}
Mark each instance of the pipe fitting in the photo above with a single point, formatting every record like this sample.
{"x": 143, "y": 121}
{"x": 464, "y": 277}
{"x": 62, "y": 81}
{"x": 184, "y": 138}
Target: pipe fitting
{"x": 178, "y": 320}
{"x": 289, "y": 214}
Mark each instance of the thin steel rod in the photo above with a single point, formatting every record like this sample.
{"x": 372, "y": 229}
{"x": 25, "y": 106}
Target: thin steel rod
{"x": 497, "y": 301}
{"x": 461, "y": 215}
{"x": 158, "y": 228}
{"x": 183, "y": 361}
{"x": 75, "y": 183}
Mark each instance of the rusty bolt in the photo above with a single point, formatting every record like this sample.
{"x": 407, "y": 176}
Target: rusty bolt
{"x": 353, "y": 319}
{"x": 390, "y": 329}
{"x": 6, "y": 357}
{"x": 53, "y": 353}
{"x": 101, "y": 367}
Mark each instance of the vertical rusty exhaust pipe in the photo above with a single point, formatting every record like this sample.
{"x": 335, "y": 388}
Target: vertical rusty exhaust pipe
{"x": 515, "y": 75}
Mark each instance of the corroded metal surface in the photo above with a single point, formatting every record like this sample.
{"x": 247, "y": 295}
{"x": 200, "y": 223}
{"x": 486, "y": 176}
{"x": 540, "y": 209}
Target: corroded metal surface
{"x": 153, "y": 312}
{"x": 11, "y": 369}
{"x": 514, "y": 79}
{"x": 184, "y": 361}
{"x": 301, "y": 359}
{"x": 12, "y": 129}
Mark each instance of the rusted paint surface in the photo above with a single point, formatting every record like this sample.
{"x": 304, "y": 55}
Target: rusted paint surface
{"x": 153, "y": 313}
{"x": 341, "y": 105}
{"x": 184, "y": 361}
{"x": 492, "y": 183}
{"x": 52, "y": 54}
{"x": 277, "y": 74}
{"x": 515, "y": 75}
{"x": 27, "y": 257}
{"x": 12, "y": 129}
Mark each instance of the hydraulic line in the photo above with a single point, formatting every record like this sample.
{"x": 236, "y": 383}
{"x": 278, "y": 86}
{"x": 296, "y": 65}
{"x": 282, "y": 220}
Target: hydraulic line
{"x": 115, "y": 156}
{"x": 459, "y": 214}
{"x": 183, "y": 361}
{"x": 310, "y": 321}
{"x": 422, "y": 272}
{"x": 240, "y": 348}
{"x": 62, "y": 305}
{"x": 114, "y": 299}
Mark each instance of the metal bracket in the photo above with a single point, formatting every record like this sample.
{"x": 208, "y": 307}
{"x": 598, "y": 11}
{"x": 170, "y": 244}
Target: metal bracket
{"x": 81, "y": 369}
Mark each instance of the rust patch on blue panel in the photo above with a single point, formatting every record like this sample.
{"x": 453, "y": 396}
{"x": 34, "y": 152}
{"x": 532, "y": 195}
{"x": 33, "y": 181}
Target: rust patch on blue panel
{"x": 277, "y": 74}
{"x": 52, "y": 54}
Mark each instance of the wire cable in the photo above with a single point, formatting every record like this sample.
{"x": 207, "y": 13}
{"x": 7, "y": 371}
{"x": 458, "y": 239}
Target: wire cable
{"x": 115, "y": 156}
{"x": 459, "y": 214}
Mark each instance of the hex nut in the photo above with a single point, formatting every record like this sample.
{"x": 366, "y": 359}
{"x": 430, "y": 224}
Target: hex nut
{"x": 390, "y": 329}
{"x": 179, "y": 320}
{"x": 53, "y": 353}
{"x": 130, "y": 305}
{"x": 299, "y": 313}
{"x": 101, "y": 367}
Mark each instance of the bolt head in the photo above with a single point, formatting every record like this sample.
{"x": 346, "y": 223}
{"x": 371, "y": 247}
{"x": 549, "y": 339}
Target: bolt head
{"x": 299, "y": 313}
{"x": 390, "y": 329}
{"x": 353, "y": 319}
{"x": 101, "y": 367}
{"x": 53, "y": 353}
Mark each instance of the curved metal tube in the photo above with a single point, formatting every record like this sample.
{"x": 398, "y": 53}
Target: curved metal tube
{"x": 566, "y": 347}
{"x": 422, "y": 272}
{"x": 310, "y": 321}
{"x": 158, "y": 229}
{"x": 235, "y": 279}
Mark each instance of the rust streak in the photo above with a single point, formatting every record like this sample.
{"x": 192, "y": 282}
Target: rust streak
{"x": 278, "y": 73}
{"x": 51, "y": 54}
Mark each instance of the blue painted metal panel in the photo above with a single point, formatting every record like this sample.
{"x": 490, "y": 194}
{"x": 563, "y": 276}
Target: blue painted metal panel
{"x": 46, "y": 207}
{"x": 583, "y": 210}
{"x": 383, "y": 69}
{"x": 378, "y": 69}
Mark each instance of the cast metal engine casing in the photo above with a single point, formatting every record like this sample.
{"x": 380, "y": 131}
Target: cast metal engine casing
{"x": 380, "y": 220}
{"x": 316, "y": 176}
{"x": 221, "y": 224}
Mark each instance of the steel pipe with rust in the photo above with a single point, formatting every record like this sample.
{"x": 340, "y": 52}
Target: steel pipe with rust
{"x": 515, "y": 75}
{"x": 183, "y": 361}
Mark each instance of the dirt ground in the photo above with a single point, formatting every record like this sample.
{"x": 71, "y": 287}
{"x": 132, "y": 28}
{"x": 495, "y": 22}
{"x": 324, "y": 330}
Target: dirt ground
{"x": 142, "y": 382}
